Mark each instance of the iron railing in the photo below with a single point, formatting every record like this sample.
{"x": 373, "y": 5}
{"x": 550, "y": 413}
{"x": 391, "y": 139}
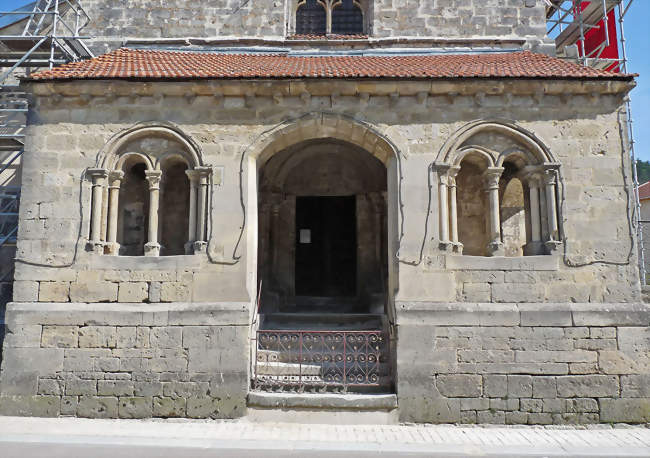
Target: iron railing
{"x": 321, "y": 360}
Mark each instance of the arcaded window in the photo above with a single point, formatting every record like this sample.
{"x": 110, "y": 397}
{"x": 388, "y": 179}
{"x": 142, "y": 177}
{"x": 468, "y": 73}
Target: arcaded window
{"x": 150, "y": 197}
{"x": 498, "y": 193}
{"x": 325, "y": 17}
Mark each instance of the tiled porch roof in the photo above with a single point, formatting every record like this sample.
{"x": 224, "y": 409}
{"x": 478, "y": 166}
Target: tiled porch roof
{"x": 155, "y": 64}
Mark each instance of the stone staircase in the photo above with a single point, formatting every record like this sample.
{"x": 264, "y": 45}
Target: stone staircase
{"x": 322, "y": 352}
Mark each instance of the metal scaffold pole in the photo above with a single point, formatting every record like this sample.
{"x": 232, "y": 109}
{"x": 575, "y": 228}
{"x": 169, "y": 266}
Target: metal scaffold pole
{"x": 41, "y": 34}
{"x": 570, "y": 23}
{"x": 622, "y": 11}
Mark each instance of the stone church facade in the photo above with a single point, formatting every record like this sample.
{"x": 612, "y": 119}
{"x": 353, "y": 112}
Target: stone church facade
{"x": 421, "y": 174}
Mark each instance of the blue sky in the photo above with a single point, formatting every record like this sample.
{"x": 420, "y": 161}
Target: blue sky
{"x": 637, "y": 32}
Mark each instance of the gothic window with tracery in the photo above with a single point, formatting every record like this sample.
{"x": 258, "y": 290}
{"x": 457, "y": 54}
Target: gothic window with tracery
{"x": 347, "y": 18}
{"x": 325, "y": 17}
{"x": 311, "y": 18}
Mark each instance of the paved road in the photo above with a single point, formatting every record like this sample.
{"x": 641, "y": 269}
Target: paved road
{"x": 69, "y": 438}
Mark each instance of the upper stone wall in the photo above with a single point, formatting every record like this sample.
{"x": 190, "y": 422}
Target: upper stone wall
{"x": 459, "y": 18}
{"x": 114, "y": 21}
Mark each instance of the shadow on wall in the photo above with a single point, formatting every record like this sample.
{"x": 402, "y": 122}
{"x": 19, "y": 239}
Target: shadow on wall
{"x": 7, "y": 254}
{"x": 6, "y": 289}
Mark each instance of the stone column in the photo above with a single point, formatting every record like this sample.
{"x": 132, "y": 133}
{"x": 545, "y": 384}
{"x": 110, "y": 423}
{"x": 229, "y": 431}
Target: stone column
{"x": 191, "y": 231}
{"x": 201, "y": 243}
{"x": 114, "y": 181}
{"x": 532, "y": 179}
{"x": 98, "y": 180}
{"x": 550, "y": 181}
{"x": 453, "y": 209}
{"x": 152, "y": 247}
{"x": 492, "y": 176}
{"x": 443, "y": 204}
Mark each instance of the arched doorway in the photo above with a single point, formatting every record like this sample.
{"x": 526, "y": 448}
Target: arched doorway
{"x": 323, "y": 260}
{"x": 322, "y": 243}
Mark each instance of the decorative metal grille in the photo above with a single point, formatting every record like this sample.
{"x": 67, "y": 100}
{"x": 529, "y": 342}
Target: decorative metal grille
{"x": 336, "y": 360}
{"x": 311, "y": 18}
{"x": 347, "y": 19}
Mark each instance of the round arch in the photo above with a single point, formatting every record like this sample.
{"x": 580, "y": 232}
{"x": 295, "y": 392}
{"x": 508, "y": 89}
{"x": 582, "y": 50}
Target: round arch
{"x": 534, "y": 145}
{"x": 110, "y": 154}
{"x": 314, "y": 127}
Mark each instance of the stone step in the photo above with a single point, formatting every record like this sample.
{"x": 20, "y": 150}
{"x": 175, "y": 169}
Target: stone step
{"x": 321, "y": 322}
{"x": 322, "y": 408}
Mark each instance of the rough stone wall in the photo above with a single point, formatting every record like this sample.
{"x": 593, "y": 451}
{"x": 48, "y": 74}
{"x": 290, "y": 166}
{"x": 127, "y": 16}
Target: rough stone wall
{"x": 459, "y": 18}
{"x": 124, "y": 362}
{"x": 112, "y": 22}
{"x": 578, "y": 122}
{"x": 524, "y": 364}
{"x": 582, "y": 131}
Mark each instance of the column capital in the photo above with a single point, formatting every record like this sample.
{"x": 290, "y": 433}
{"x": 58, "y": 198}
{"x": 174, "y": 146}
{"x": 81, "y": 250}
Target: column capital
{"x": 115, "y": 176}
{"x": 453, "y": 171}
{"x": 153, "y": 177}
{"x": 97, "y": 174}
{"x": 492, "y": 176}
{"x": 440, "y": 167}
{"x": 203, "y": 173}
{"x": 193, "y": 175}
{"x": 550, "y": 176}
{"x": 203, "y": 170}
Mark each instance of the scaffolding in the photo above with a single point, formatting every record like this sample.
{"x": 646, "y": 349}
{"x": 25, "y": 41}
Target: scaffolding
{"x": 40, "y": 34}
{"x": 593, "y": 34}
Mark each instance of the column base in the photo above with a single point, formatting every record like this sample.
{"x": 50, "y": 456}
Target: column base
{"x": 496, "y": 249}
{"x": 112, "y": 249}
{"x": 553, "y": 246}
{"x": 534, "y": 248}
{"x": 95, "y": 247}
{"x": 152, "y": 249}
{"x": 451, "y": 247}
{"x": 200, "y": 247}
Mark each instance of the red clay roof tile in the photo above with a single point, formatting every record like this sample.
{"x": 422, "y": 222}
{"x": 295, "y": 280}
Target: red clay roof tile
{"x": 644, "y": 191}
{"x": 153, "y": 64}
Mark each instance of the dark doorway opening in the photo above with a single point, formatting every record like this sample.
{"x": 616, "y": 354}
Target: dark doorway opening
{"x": 326, "y": 246}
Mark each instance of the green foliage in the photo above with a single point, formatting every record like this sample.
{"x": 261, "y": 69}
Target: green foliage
{"x": 643, "y": 171}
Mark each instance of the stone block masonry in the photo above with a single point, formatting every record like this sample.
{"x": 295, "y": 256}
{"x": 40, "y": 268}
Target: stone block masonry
{"x": 267, "y": 19}
{"x": 123, "y": 361}
{"x": 527, "y": 366}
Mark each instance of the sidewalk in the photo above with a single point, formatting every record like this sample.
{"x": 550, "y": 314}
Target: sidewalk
{"x": 32, "y": 437}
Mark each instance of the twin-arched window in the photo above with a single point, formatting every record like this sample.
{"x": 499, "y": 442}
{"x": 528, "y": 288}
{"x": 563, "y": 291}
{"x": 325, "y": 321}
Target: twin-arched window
{"x": 325, "y": 17}
{"x": 150, "y": 197}
{"x": 497, "y": 191}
